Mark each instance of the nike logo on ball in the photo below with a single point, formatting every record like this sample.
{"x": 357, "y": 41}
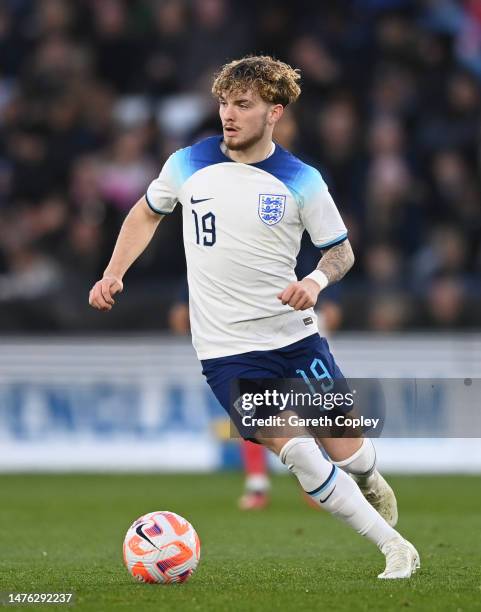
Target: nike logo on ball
{"x": 192, "y": 201}
{"x": 142, "y": 534}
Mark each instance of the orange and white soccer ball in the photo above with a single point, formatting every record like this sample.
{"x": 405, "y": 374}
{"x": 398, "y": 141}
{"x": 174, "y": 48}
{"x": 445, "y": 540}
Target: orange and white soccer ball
{"x": 161, "y": 547}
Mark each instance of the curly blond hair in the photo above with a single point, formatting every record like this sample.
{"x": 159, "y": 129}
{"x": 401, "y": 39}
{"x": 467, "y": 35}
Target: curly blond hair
{"x": 275, "y": 81}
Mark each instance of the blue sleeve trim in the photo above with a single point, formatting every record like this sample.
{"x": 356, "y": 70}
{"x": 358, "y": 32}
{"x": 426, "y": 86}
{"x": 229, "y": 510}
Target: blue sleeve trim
{"x": 297, "y": 176}
{"x": 332, "y": 243}
{"x": 159, "y": 212}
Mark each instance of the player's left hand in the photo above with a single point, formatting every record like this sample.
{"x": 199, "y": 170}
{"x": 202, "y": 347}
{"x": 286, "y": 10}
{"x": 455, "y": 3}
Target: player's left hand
{"x": 300, "y": 295}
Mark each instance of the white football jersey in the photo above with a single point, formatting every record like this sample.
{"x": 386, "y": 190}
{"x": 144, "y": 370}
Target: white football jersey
{"x": 242, "y": 226}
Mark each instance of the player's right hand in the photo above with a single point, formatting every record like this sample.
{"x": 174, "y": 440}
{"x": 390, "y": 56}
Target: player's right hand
{"x": 101, "y": 294}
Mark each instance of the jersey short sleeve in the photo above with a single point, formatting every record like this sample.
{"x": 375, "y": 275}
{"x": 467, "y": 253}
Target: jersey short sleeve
{"x": 162, "y": 193}
{"x": 318, "y": 211}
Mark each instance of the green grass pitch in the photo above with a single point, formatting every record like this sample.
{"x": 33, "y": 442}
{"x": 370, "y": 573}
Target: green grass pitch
{"x": 65, "y": 532}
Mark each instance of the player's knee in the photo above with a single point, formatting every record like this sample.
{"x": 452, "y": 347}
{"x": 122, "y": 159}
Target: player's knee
{"x": 295, "y": 451}
{"x": 304, "y": 459}
{"x": 302, "y": 455}
{"x": 273, "y": 444}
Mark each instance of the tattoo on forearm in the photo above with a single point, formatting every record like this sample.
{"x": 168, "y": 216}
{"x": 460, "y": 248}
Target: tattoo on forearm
{"x": 337, "y": 261}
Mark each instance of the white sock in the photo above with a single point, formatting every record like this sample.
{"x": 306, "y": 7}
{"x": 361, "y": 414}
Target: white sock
{"x": 362, "y": 464}
{"x": 257, "y": 483}
{"x": 333, "y": 490}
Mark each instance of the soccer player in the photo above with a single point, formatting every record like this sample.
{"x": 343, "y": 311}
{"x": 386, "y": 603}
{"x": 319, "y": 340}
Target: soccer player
{"x": 246, "y": 202}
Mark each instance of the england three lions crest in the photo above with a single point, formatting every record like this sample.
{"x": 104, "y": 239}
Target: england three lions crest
{"x": 271, "y": 208}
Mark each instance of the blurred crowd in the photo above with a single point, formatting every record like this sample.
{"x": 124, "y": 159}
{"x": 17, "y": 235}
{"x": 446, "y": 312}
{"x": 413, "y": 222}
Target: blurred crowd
{"x": 94, "y": 95}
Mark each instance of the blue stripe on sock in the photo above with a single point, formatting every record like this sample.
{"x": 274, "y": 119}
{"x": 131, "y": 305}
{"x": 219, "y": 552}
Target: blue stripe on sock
{"x": 326, "y": 483}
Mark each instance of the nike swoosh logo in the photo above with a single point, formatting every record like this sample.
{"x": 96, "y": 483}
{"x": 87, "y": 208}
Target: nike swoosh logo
{"x": 192, "y": 201}
{"x": 325, "y": 500}
{"x": 140, "y": 533}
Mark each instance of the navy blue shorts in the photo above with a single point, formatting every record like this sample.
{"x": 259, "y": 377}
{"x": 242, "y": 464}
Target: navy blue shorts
{"x": 308, "y": 360}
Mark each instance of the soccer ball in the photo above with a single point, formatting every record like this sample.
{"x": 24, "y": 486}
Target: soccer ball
{"x": 161, "y": 547}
